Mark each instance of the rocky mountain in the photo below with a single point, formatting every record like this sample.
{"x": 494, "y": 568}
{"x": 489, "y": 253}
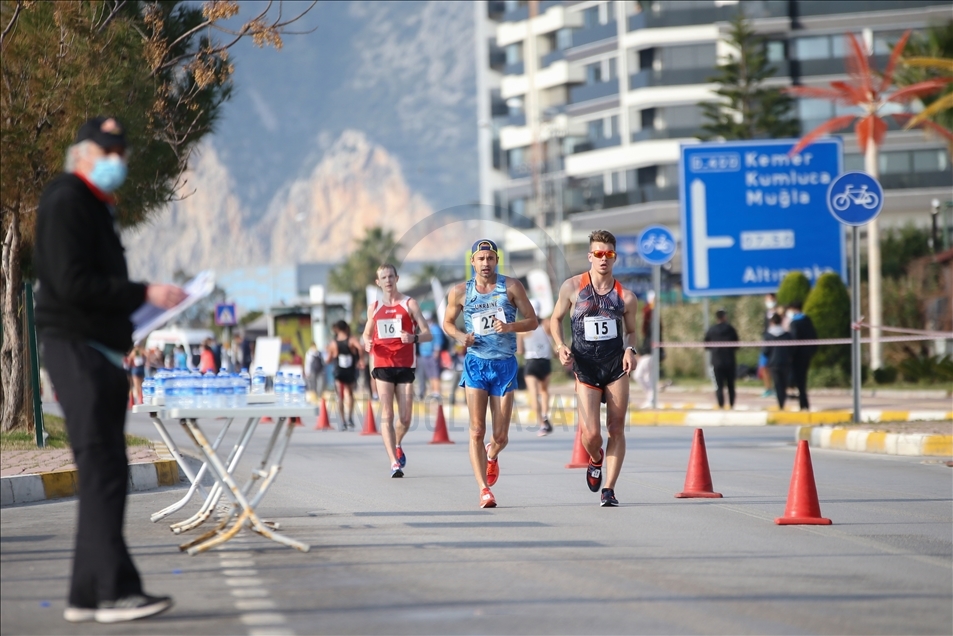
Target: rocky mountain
{"x": 291, "y": 174}
{"x": 356, "y": 185}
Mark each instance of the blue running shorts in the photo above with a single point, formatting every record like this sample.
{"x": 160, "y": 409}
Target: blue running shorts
{"x": 495, "y": 376}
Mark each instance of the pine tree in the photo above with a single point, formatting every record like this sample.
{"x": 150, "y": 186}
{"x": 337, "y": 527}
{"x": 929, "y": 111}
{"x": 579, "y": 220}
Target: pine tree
{"x": 747, "y": 109}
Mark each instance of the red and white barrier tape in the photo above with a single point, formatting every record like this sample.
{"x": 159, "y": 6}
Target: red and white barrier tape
{"x": 921, "y": 332}
{"x": 798, "y": 343}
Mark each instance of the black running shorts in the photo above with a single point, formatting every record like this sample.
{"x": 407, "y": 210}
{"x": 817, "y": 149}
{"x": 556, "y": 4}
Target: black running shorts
{"x": 595, "y": 373}
{"x": 539, "y": 368}
{"x": 345, "y": 376}
{"x": 394, "y": 375}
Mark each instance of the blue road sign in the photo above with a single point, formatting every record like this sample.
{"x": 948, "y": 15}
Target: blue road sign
{"x": 629, "y": 261}
{"x": 855, "y": 198}
{"x": 225, "y": 315}
{"x": 656, "y": 245}
{"x": 751, "y": 213}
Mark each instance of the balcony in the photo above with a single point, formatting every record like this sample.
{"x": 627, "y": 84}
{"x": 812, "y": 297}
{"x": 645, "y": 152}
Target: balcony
{"x": 594, "y": 34}
{"x": 593, "y": 91}
{"x": 670, "y": 77}
{"x": 807, "y": 8}
{"x": 497, "y": 58}
{"x": 943, "y": 179}
{"x": 549, "y": 58}
{"x": 517, "y": 15}
{"x": 648, "y": 134}
{"x": 707, "y": 15}
{"x": 829, "y": 66}
{"x": 516, "y": 119}
{"x": 642, "y": 194}
{"x": 596, "y": 144}
{"x": 514, "y": 68}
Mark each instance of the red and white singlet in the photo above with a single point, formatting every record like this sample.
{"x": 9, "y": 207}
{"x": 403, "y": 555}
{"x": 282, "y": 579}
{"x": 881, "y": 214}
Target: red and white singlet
{"x": 389, "y": 322}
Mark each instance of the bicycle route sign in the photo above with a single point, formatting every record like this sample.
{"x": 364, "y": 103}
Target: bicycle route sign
{"x": 656, "y": 245}
{"x": 855, "y": 198}
{"x": 751, "y": 212}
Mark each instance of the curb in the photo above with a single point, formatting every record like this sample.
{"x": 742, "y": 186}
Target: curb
{"x": 871, "y": 441}
{"x": 18, "y": 489}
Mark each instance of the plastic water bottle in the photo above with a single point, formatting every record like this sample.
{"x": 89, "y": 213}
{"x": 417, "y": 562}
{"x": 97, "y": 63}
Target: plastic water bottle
{"x": 191, "y": 385}
{"x": 246, "y": 378}
{"x": 224, "y": 392}
{"x": 299, "y": 391}
{"x": 173, "y": 388}
{"x": 148, "y": 390}
{"x": 159, "y": 380}
{"x": 281, "y": 389}
{"x": 239, "y": 391}
{"x": 258, "y": 382}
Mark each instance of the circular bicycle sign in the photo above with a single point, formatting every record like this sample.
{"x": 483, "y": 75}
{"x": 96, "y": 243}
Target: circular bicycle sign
{"x": 656, "y": 245}
{"x": 855, "y": 198}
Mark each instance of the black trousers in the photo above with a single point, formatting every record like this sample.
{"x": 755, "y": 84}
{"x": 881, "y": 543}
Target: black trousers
{"x": 800, "y": 381}
{"x": 780, "y": 377}
{"x": 93, "y": 394}
{"x": 725, "y": 376}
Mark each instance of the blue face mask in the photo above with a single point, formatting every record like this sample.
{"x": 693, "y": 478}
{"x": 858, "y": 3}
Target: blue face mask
{"x": 108, "y": 173}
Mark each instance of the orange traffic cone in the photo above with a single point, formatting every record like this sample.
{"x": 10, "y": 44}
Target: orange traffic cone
{"x": 803, "y": 507}
{"x": 580, "y": 458}
{"x": 296, "y": 421}
{"x": 440, "y": 435}
{"x": 698, "y": 478}
{"x": 324, "y": 423}
{"x": 266, "y": 420}
{"x": 370, "y": 427}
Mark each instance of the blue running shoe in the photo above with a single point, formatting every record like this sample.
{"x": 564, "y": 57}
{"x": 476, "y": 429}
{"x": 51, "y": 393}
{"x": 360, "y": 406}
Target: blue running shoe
{"x": 401, "y": 458}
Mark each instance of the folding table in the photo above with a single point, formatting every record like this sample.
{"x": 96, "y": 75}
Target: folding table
{"x": 243, "y": 509}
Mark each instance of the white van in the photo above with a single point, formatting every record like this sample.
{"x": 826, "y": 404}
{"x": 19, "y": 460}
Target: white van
{"x": 165, "y": 340}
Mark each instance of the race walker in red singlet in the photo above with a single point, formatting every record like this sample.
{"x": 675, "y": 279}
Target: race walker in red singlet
{"x": 394, "y": 361}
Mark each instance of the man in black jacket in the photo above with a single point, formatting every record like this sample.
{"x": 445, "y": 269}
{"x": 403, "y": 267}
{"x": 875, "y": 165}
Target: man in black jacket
{"x": 801, "y": 328}
{"x": 778, "y": 358}
{"x": 723, "y": 358}
{"x": 83, "y": 306}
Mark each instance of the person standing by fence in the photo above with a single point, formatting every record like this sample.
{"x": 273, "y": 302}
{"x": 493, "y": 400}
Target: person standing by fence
{"x": 723, "y": 358}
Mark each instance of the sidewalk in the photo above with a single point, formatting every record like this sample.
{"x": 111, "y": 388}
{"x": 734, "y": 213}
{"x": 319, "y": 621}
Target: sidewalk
{"x": 36, "y": 475}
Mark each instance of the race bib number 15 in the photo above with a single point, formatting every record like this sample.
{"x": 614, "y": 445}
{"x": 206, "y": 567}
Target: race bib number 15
{"x": 598, "y": 328}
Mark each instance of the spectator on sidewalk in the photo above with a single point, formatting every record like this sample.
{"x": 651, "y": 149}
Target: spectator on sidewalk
{"x": 643, "y": 368}
{"x": 801, "y": 328}
{"x": 83, "y": 308}
{"x": 764, "y": 372}
{"x": 723, "y": 358}
{"x": 779, "y": 358}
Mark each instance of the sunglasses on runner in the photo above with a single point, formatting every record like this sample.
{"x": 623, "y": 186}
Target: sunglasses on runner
{"x": 605, "y": 253}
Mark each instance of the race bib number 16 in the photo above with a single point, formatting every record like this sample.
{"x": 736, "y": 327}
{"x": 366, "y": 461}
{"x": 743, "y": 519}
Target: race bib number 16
{"x": 388, "y": 328}
{"x": 599, "y": 328}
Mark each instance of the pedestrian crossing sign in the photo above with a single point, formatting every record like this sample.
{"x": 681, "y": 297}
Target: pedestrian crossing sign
{"x": 225, "y": 315}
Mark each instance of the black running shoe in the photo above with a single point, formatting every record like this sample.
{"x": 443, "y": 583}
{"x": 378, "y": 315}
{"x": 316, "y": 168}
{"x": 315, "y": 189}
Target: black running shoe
{"x": 395, "y": 471}
{"x": 608, "y": 498}
{"x": 594, "y": 473}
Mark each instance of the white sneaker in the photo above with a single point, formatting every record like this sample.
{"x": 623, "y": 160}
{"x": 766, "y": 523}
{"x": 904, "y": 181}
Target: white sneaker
{"x": 79, "y": 614}
{"x": 130, "y": 608}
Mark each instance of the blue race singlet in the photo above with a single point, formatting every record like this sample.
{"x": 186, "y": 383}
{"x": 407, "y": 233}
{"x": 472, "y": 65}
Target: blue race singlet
{"x": 479, "y": 310}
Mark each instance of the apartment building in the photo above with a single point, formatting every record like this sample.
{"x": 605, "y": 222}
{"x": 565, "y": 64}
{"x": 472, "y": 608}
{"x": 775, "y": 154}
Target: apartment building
{"x": 582, "y": 106}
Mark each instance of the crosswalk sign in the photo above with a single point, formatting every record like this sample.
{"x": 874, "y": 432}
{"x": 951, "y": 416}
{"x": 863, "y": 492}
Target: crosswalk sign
{"x": 225, "y": 315}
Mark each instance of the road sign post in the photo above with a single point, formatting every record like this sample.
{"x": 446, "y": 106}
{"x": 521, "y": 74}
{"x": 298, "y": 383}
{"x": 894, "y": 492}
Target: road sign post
{"x": 656, "y": 247}
{"x": 751, "y": 213}
{"x": 855, "y": 199}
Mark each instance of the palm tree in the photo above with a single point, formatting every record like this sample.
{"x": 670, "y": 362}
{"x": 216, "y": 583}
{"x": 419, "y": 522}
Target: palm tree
{"x": 929, "y": 55}
{"x": 870, "y": 93}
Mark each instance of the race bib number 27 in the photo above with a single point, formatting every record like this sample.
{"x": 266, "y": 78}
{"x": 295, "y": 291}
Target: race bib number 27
{"x": 483, "y": 321}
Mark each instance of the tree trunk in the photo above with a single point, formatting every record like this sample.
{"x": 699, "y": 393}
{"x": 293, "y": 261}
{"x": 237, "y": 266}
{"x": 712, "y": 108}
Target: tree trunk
{"x": 876, "y": 313}
{"x": 11, "y": 351}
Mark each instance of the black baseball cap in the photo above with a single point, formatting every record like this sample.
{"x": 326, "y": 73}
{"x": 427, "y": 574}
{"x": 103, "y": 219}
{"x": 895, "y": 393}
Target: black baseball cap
{"x": 105, "y": 132}
{"x": 484, "y": 244}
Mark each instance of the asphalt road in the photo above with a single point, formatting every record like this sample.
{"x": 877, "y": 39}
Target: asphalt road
{"x": 417, "y": 555}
